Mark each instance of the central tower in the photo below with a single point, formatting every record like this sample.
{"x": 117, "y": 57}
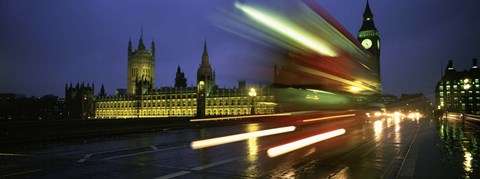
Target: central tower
{"x": 369, "y": 37}
{"x": 205, "y": 72}
{"x": 141, "y": 65}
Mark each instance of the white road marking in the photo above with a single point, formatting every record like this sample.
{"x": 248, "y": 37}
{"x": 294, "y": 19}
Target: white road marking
{"x": 19, "y": 173}
{"x": 7, "y": 154}
{"x": 180, "y": 173}
{"x": 110, "y": 151}
{"x": 145, "y": 152}
{"x": 85, "y": 157}
{"x": 154, "y": 147}
{"x": 370, "y": 150}
{"x": 215, "y": 164}
{"x": 173, "y": 175}
{"x": 340, "y": 174}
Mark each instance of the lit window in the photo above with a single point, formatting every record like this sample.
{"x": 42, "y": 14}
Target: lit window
{"x": 441, "y": 93}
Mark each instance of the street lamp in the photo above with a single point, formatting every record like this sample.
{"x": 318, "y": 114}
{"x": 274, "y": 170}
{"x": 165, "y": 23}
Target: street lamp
{"x": 252, "y": 93}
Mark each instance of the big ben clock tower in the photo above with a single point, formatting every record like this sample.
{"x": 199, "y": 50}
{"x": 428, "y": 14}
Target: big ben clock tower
{"x": 369, "y": 37}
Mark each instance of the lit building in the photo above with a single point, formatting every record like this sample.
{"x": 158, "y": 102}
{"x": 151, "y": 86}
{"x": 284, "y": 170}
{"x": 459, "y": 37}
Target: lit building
{"x": 389, "y": 98}
{"x": 16, "y": 107}
{"x": 459, "y": 91}
{"x": 79, "y": 101}
{"x": 205, "y": 99}
{"x": 407, "y": 103}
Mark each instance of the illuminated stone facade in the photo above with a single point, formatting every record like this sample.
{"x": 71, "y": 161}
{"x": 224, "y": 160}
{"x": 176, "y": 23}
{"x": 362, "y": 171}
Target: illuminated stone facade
{"x": 459, "y": 91}
{"x": 182, "y": 102}
{"x": 141, "y": 65}
{"x": 206, "y": 99}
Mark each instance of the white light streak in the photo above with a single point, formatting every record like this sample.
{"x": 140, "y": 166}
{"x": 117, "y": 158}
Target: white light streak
{"x": 282, "y": 149}
{"x": 238, "y": 137}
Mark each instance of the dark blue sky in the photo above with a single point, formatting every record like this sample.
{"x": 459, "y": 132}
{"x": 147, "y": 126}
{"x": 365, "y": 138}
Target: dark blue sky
{"x": 47, "y": 43}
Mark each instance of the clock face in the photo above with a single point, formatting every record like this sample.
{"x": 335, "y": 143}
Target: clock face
{"x": 367, "y": 43}
{"x": 378, "y": 44}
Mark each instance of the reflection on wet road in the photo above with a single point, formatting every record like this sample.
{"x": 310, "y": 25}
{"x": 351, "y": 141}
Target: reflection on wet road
{"x": 381, "y": 147}
{"x": 459, "y": 144}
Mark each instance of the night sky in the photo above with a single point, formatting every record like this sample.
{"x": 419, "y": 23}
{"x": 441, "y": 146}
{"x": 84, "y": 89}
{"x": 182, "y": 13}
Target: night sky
{"x": 45, "y": 44}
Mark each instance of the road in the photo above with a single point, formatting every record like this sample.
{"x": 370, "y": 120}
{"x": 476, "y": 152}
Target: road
{"x": 377, "y": 148}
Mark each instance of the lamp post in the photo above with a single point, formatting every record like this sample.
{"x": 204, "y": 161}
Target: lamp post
{"x": 252, "y": 93}
{"x": 466, "y": 87}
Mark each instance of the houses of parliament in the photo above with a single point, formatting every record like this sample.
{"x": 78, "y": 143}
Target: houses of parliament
{"x": 206, "y": 99}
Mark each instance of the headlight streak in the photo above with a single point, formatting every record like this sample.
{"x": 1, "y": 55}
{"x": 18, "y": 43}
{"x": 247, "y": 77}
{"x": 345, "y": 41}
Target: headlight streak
{"x": 288, "y": 30}
{"x": 328, "y": 117}
{"x": 238, "y": 137}
{"x": 283, "y": 149}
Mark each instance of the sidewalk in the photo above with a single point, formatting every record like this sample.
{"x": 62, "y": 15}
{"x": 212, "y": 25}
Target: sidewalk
{"x": 431, "y": 157}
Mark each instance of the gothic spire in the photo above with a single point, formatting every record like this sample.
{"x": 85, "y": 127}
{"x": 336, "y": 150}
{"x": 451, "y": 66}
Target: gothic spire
{"x": 141, "y": 46}
{"x": 130, "y": 45}
{"x": 368, "y": 23}
{"x": 102, "y": 90}
{"x": 368, "y": 12}
{"x": 153, "y": 47}
{"x": 205, "y": 53}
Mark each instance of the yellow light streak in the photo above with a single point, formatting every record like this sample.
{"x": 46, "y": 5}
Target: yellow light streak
{"x": 355, "y": 89}
{"x": 282, "y": 149}
{"x": 288, "y": 30}
{"x": 328, "y": 117}
{"x": 238, "y": 137}
{"x": 332, "y": 77}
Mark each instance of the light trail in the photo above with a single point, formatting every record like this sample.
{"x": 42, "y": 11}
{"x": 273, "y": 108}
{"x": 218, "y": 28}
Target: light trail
{"x": 333, "y": 77}
{"x": 238, "y": 137}
{"x": 328, "y": 117}
{"x": 282, "y": 149}
{"x": 288, "y": 29}
{"x": 240, "y": 117}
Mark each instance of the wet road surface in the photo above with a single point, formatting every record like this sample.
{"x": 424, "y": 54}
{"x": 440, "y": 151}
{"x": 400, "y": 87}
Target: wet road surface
{"x": 378, "y": 148}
